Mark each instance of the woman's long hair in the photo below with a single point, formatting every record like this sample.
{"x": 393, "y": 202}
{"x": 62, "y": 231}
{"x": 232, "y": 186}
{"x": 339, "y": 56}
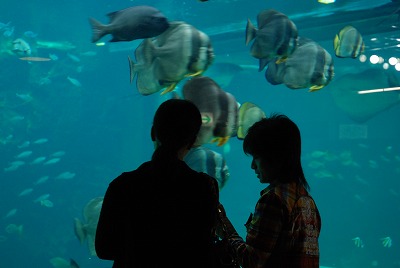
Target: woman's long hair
{"x": 176, "y": 124}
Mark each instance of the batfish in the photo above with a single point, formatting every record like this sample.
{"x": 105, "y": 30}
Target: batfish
{"x": 310, "y": 66}
{"x": 249, "y": 113}
{"x": 203, "y": 159}
{"x": 218, "y": 108}
{"x": 348, "y": 43}
{"x": 87, "y": 230}
{"x": 163, "y": 61}
{"x": 275, "y": 38}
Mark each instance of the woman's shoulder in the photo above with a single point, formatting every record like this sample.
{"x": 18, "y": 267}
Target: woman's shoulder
{"x": 128, "y": 176}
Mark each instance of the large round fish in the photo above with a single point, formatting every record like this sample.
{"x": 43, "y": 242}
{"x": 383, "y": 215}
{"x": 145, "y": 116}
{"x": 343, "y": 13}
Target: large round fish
{"x": 87, "y": 230}
{"x": 348, "y": 43}
{"x": 162, "y": 62}
{"x": 203, "y": 159}
{"x": 310, "y": 66}
{"x": 131, "y": 23}
{"x": 275, "y": 38}
{"x": 218, "y": 108}
{"x": 249, "y": 113}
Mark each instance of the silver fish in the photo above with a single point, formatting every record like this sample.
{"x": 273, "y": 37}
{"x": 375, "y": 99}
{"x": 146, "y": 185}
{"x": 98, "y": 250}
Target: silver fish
{"x": 348, "y": 43}
{"x": 24, "y": 154}
{"x": 162, "y": 62}
{"x": 41, "y": 198}
{"x": 309, "y": 66}
{"x": 46, "y": 203}
{"x": 203, "y": 159}
{"x": 131, "y": 23}
{"x": 41, "y": 180}
{"x": 219, "y": 110}
{"x": 21, "y": 47}
{"x": 73, "y": 57}
{"x": 25, "y": 192}
{"x": 41, "y": 141}
{"x": 63, "y": 45}
{"x": 10, "y": 213}
{"x": 87, "y": 230}
{"x": 52, "y": 161}
{"x": 74, "y": 81}
{"x": 276, "y": 36}
{"x": 14, "y": 229}
{"x": 249, "y": 114}
{"x": 24, "y": 144}
{"x": 38, "y": 160}
{"x": 65, "y": 176}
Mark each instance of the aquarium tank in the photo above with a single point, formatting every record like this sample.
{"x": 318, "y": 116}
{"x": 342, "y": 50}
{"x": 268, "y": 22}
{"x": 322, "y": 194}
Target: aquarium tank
{"x": 75, "y": 113}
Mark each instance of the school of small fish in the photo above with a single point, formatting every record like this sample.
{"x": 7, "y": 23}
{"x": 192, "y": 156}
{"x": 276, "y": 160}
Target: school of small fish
{"x": 24, "y": 160}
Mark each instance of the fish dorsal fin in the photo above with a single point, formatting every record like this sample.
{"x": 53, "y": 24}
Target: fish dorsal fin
{"x": 112, "y": 15}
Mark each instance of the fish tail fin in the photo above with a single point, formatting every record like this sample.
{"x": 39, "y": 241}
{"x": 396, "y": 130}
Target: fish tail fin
{"x": 250, "y": 32}
{"x": 99, "y": 29}
{"x": 132, "y": 69}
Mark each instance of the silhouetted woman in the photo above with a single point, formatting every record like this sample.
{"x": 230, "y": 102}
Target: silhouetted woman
{"x": 163, "y": 213}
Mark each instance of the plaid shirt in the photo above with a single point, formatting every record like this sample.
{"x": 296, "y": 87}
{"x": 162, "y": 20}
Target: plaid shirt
{"x": 283, "y": 232}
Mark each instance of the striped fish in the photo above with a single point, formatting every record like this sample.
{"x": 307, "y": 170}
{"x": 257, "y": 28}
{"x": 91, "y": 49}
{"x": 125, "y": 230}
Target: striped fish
{"x": 219, "y": 110}
{"x": 310, "y": 66}
{"x": 249, "y": 113}
{"x": 203, "y": 159}
{"x": 348, "y": 43}
{"x": 87, "y": 230}
{"x": 275, "y": 38}
{"x": 162, "y": 62}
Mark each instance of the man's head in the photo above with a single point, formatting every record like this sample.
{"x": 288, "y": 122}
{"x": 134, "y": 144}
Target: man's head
{"x": 275, "y": 145}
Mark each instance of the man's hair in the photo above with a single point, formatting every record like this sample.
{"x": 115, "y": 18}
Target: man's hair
{"x": 276, "y": 139}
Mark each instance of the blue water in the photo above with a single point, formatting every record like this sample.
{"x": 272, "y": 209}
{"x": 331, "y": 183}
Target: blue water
{"x": 103, "y": 127}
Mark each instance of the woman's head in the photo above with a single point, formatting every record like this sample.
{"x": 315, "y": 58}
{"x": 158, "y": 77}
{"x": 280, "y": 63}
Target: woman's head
{"x": 176, "y": 125}
{"x": 276, "y": 143}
